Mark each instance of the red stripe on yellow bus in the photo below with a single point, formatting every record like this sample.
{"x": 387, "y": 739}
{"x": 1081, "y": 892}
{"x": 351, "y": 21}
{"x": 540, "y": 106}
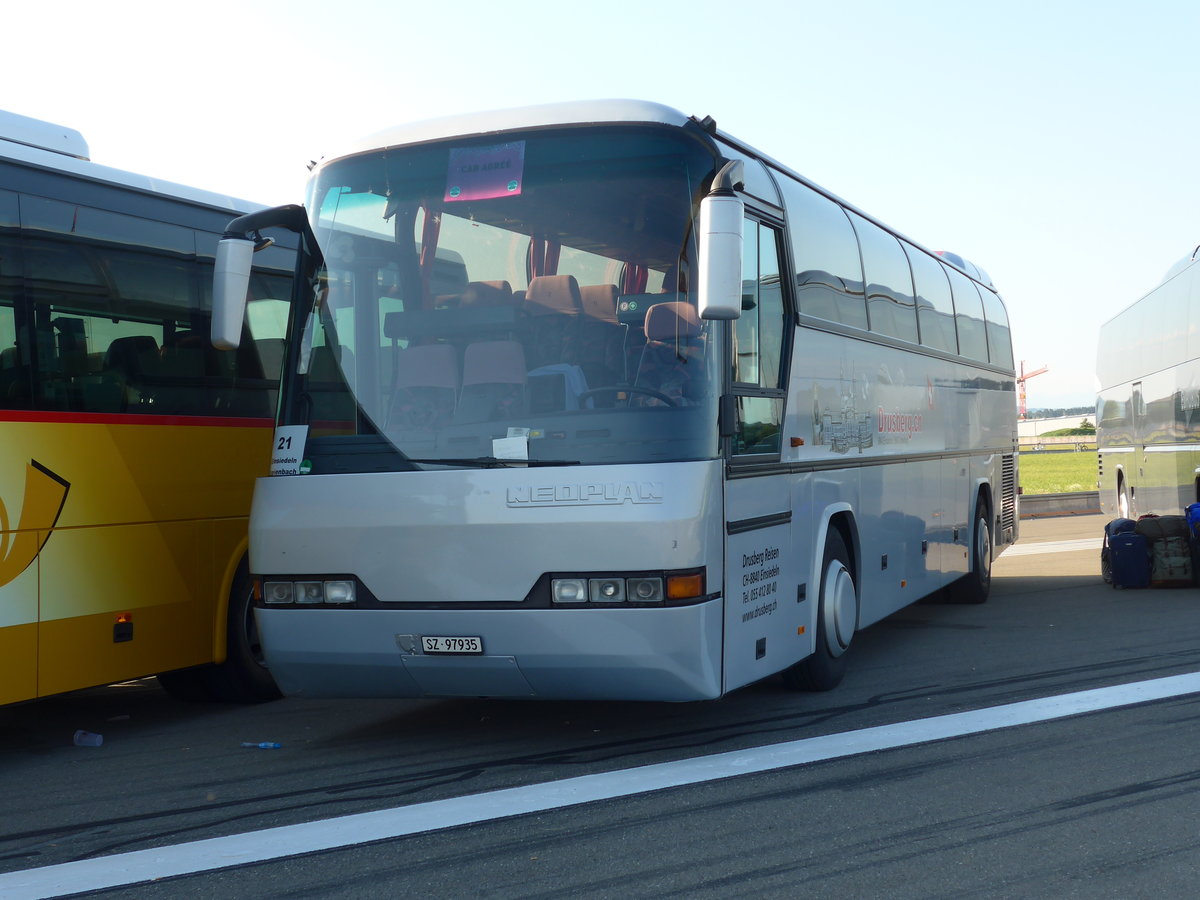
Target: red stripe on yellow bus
{"x": 21, "y": 415}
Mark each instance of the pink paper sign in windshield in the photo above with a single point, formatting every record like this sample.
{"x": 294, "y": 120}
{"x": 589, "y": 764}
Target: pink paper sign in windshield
{"x": 482, "y": 173}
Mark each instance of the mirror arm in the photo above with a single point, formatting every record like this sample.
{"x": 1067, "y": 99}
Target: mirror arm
{"x": 729, "y": 180}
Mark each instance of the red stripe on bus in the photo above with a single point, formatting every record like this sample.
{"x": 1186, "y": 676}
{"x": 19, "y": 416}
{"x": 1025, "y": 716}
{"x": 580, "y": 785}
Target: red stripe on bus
{"x": 21, "y": 415}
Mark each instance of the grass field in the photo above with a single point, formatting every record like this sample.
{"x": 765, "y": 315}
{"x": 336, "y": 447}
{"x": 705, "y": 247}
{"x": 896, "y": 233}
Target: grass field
{"x": 1058, "y": 473}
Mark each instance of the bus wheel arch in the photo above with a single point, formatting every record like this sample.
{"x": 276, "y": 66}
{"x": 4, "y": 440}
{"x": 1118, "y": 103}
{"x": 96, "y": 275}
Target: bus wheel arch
{"x": 837, "y": 613}
{"x": 1124, "y": 505}
{"x": 243, "y": 676}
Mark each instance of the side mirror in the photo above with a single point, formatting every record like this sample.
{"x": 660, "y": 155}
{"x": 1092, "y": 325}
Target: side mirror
{"x": 231, "y": 284}
{"x": 720, "y": 247}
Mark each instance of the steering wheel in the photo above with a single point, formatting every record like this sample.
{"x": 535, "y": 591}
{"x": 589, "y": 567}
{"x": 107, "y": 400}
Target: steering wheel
{"x": 628, "y": 388}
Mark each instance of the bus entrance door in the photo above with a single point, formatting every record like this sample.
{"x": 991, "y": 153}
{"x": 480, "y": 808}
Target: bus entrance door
{"x": 762, "y": 615}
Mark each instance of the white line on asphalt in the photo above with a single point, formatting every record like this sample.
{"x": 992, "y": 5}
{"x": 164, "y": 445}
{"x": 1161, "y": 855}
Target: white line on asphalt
{"x": 1053, "y": 547}
{"x": 347, "y": 831}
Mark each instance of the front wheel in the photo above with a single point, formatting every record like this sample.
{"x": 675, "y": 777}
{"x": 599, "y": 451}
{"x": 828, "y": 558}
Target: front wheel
{"x": 837, "y": 620}
{"x": 243, "y": 676}
{"x": 975, "y": 586}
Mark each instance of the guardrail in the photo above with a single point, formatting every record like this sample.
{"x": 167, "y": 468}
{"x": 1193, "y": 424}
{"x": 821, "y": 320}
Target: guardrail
{"x": 1026, "y": 440}
{"x": 1079, "y": 503}
{"x": 1056, "y": 445}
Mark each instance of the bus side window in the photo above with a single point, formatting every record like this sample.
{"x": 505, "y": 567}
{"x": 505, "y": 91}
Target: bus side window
{"x": 758, "y": 343}
{"x": 999, "y": 338}
{"x": 891, "y": 309}
{"x": 14, "y": 374}
{"x": 968, "y": 317}
{"x": 829, "y": 276}
{"x": 15, "y": 391}
{"x": 935, "y": 304}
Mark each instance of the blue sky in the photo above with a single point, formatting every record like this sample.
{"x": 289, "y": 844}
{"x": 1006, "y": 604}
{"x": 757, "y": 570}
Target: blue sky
{"x": 1053, "y": 143}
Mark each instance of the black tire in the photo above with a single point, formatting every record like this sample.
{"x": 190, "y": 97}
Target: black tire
{"x": 837, "y": 620}
{"x": 975, "y": 586}
{"x": 243, "y": 677}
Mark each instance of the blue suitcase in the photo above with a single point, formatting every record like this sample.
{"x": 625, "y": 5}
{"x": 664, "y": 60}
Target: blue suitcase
{"x": 1129, "y": 560}
{"x": 1115, "y": 527}
{"x": 1192, "y": 515}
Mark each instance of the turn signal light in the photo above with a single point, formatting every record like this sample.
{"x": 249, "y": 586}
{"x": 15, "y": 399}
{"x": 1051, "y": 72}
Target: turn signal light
{"x": 685, "y": 587}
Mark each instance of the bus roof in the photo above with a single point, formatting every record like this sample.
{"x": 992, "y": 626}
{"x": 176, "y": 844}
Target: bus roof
{"x": 44, "y": 145}
{"x": 19, "y": 129}
{"x": 1180, "y": 265}
{"x": 586, "y": 112}
{"x": 494, "y": 121}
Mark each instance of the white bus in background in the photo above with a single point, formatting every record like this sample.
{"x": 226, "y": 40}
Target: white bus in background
{"x": 596, "y": 401}
{"x": 1148, "y": 410}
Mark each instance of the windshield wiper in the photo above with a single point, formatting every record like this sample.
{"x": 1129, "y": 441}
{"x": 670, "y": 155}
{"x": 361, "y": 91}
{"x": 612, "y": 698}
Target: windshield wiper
{"x": 495, "y": 462}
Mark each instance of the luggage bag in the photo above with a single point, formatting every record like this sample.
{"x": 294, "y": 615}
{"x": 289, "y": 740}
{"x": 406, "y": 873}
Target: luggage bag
{"x": 1169, "y": 538}
{"x": 1128, "y": 559}
{"x": 1170, "y": 562}
{"x": 1192, "y": 515}
{"x": 1115, "y": 527}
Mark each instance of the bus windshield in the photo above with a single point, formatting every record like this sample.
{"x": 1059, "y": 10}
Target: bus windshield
{"x": 494, "y": 300}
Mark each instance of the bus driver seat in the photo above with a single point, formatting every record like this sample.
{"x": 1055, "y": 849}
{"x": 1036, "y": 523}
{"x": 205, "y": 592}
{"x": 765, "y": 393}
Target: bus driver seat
{"x": 426, "y": 387}
{"x": 672, "y": 359}
{"x": 494, "y": 382}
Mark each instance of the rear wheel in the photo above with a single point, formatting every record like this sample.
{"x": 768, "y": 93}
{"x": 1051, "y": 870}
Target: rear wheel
{"x": 837, "y": 619}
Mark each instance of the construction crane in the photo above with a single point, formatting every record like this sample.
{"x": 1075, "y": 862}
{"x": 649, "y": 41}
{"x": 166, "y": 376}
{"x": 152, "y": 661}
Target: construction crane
{"x": 1021, "y": 379}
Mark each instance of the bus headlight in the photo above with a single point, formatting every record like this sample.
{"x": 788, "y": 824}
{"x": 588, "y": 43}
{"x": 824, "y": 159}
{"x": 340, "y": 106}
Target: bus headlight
{"x": 278, "y": 592}
{"x": 339, "y": 592}
{"x": 606, "y": 590}
{"x": 645, "y": 590}
{"x": 310, "y": 592}
{"x": 314, "y": 590}
{"x": 569, "y": 590}
{"x": 683, "y": 586}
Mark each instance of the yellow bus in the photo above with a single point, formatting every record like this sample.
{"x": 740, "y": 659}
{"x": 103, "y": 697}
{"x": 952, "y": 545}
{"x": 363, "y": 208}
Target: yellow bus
{"x": 128, "y": 445}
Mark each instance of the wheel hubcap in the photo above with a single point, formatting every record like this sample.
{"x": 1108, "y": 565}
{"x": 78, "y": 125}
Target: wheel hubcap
{"x": 841, "y": 607}
{"x": 983, "y": 549}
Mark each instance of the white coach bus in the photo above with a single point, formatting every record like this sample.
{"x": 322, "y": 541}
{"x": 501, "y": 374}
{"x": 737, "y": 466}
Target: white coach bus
{"x": 1148, "y": 410}
{"x": 596, "y": 401}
